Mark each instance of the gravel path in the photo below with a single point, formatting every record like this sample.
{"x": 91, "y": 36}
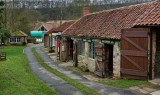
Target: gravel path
{"x": 104, "y": 90}
{"x": 61, "y": 86}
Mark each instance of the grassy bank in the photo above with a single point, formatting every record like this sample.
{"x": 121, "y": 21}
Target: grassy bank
{"x": 16, "y": 78}
{"x": 83, "y": 88}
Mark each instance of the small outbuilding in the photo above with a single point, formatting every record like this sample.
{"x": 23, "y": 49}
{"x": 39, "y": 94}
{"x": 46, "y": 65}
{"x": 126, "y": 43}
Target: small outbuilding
{"x": 18, "y": 38}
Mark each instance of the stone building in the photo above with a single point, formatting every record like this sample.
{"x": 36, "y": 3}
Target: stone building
{"x": 95, "y": 38}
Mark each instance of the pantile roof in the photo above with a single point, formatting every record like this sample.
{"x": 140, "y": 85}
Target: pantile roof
{"x": 63, "y": 26}
{"x": 107, "y": 24}
{"x": 50, "y": 31}
{"x": 150, "y": 17}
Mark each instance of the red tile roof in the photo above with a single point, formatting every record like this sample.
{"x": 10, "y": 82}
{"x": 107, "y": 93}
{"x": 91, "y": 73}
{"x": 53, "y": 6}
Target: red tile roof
{"x": 107, "y": 24}
{"x": 63, "y": 26}
{"x": 150, "y": 17}
{"x": 51, "y": 30}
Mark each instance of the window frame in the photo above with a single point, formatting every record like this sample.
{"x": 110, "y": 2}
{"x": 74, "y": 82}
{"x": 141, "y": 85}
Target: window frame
{"x": 15, "y": 39}
{"x": 91, "y": 50}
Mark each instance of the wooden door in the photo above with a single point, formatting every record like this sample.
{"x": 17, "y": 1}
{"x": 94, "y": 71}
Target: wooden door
{"x": 100, "y": 60}
{"x": 71, "y": 45}
{"x": 45, "y": 40}
{"x": 134, "y": 53}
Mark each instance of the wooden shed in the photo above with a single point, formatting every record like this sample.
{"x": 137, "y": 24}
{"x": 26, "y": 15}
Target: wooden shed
{"x": 140, "y": 46}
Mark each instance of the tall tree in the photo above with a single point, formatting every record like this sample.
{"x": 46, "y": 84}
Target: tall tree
{"x": 4, "y": 33}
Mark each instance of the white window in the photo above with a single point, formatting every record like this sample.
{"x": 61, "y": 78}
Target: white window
{"x": 15, "y": 39}
{"x": 53, "y": 41}
{"x": 18, "y": 39}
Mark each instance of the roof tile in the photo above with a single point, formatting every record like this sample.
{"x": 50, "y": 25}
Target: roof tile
{"x": 63, "y": 26}
{"x": 107, "y": 24}
{"x": 151, "y": 16}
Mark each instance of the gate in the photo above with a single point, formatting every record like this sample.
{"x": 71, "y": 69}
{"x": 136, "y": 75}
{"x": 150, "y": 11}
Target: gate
{"x": 134, "y": 53}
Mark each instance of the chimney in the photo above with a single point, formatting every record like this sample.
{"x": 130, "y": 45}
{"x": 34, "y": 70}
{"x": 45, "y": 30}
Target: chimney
{"x": 86, "y": 11}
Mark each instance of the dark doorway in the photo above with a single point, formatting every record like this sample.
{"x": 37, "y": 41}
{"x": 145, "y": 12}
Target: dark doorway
{"x": 70, "y": 48}
{"x": 157, "y": 60}
{"x": 109, "y": 59}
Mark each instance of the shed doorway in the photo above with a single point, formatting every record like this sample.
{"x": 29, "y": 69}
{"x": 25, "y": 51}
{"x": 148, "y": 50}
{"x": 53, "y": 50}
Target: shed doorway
{"x": 70, "y": 48}
{"x": 109, "y": 59}
{"x": 157, "y": 60}
{"x": 104, "y": 60}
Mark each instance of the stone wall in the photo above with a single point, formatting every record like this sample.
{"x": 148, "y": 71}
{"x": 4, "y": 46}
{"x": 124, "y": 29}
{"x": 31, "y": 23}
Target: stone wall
{"x": 84, "y": 60}
{"x": 91, "y": 65}
{"x": 81, "y": 60}
{"x": 87, "y": 62}
{"x": 116, "y": 60}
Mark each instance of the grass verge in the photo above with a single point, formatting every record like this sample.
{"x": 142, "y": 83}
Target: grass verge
{"x": 83, "y": 88}
{"x": 123, "y": 83}
{"x": 79, "y": 70}
{"x": 16, "y": 77}
{"x": 120, "y": 83}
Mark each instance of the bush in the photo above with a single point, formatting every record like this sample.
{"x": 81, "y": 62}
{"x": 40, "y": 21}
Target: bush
{"x": 24, "y": 43}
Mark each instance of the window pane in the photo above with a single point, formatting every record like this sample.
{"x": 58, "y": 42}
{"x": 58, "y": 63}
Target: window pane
{"x": 92, "y": 50}
{"x": 18, "y": 39}
{"x": 12, "y": 39}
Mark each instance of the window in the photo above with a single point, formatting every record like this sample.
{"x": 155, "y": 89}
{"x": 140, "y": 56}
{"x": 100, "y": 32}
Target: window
{"x": 81, "y": 47}
{"x": 18, "y": 39}
{"x": 92, "y": 50}
{"x": 15, "y": 39}
{"x": 53, "y": 41}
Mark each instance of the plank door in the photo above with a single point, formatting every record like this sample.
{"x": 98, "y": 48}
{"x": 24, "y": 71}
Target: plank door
{"x": 134, "y": 53}
{"x": 100, "y": 60}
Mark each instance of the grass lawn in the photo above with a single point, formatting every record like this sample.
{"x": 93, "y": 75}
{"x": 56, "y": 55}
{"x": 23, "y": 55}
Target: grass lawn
{"x": 124, "y": 83}
{"x": 16, "y": 78}
{"x": 80, "y": 86}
